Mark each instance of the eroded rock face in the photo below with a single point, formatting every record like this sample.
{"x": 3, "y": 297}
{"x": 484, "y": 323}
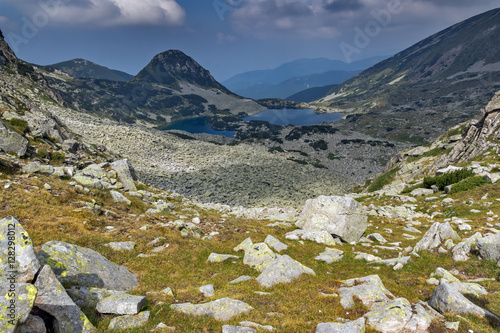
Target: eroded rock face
{"x": 15, "y": 240}
{"x": 126, "y": 174}
{"x": 222, "y": 309}
{"x": 340, "y": 216}
{"x": 81, "y": 266}
{"x": 282, "y": 270}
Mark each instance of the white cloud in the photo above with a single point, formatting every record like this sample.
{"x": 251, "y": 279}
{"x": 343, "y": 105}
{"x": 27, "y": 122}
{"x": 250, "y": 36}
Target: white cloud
{"x": 225, "y": 38}
{"x": 106, "y": 12}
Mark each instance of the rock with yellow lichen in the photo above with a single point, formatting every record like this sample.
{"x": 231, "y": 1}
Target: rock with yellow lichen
{"x": 16, "y": 302}
{"x": 259, "y": 256}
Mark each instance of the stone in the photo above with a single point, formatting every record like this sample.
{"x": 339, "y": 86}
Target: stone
{"x": 397, "y": 267}
{"x": 214, "y": 257}
{"x": 86, "y": 297}
{"x": 356, "y": 326}
{"x": 441, "y": 273}
{"x": 13, "y": 237}
{"x": 489, "y": 248}
{"x": 161, "y": 327}
{"x": 15, "y": 309}
{"x": 391, "y": 317}
{"x": 447, "y": 299}
{"x": 449, "y": 168}
{"x": 237, "y": 329}
{"x": 34, "y": 324}
{"x": 420, "y": 192}
{"x": 422, "y": 318}
{"x": 246, "y": 323}
{"x": 452, "y": 325}
{"x": 462, "y": 251}
{"x": 118, "y": 197}
{"x": 437, "y": 234}
{"x": 93, "y": 176}
{"x": 318, "y": 236}
{"x": 81, "y": 266}
{"x": 121, "y": 304}
{"x": 369, "y": 290}
{"x": 275, "y": 243}
{"x": 282, "y": 270}
{"x": 168, "y": 291}
{"x": 377, "y": 237}
{"x": 393, "y": 261}
{"x": 223, "y": 309}
{"x": 241, "y": 279}
{"x": 129, "y": 321}
{"x": 53, "y": 299}
{"x": 367, "y": 257}
{"x": 467, "y": 288}
{"x": 243, "y": 246}
{"x": 12, "y": 142}
{"x": 330, "y": 255}
{"x": 340, "y": 216}
{"x": 125, "y": 173}
{"x": 121, "y": 246}
{"x": 207, "y": 290}
{"x": 259, "y": 256}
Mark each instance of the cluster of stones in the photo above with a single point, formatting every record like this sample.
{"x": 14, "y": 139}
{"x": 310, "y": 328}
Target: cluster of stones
{"x": 34, "y": 283}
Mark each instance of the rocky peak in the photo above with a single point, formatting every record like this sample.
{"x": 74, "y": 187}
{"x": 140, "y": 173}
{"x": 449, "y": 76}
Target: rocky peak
{"x": 6, "y": 53}
{"x": 174, "y": 67}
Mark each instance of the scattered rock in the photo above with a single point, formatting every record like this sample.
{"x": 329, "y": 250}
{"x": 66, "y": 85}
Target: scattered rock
{"x": 125, "y": 173}
{"x": 207, "y": 290}
{"x": 214, "y": 257}
{"x": 11, "y": 142}
{"x": 452, "y": 325}
{"x": 222, "y": 309}
{"x": 441, "y": 273}
{"x": 489, "y": 248}
{"x": 356, "y": 326}
{"x": 420, "y": 192}
{"x": 129, "y": 321}
{"x": 268, "y": 328}
{"x": 237, "y": 329}
{"x": 118, "y": 197}
{"x": 275, "y": 243}
{"x": 318, "y": 236}
{"x": 243, "y": 246}
{"x": 369, "y": 289}
{"x": 121, "y": 246}
{"x": 340, "y": 216}
{"x": 377, "y": 237}
{"x": 81, "y": 266}
{"x": 34, "y": 324}
{"x": 259, "y": 256}
{"x": 121, "y": 304}
{"x": 461, "y": 252}
{"x": 330, "y": 255}
{"x": 435, "y": 236}
{"x": 282, "y": 270}
{"x": 366, "y": 256}
{"x": 241, "y": 279}
{"x": 391, "y": 317}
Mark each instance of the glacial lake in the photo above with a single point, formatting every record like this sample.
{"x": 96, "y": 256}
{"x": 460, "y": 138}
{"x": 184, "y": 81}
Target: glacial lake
{"x": 281, "y": 117}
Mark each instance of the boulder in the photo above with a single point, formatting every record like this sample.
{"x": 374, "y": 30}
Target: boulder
{"x": 222, "y": 309}
{"x": 89, "y": 297}
{"x": 241, "y": 279}
{"x": 15, "y": 309}
{"x": 437, "y": 234}
{"x": 461, "y": 251}
{"x": 81, "y": 266}
{"x": 355, "y": 326}
{"x": 207, "y": 290}
{"x": 259, "y": 256}
{"x": 121, "y": 246}
{"x": 391, "y": 317}
{"x": 447, "y": 299}
{"x": 237, "y": 329}
{"x": 330, "y": 255}
{"x": 489, "y": 248}
{"x": 34, "y": 324}
{"x": 422, "y": 317}
{"x": 53, "y": 299}
{"x": 11, "y": 142}
{"x": 369, "y": 290}
{"x": 15, "y": 240}
{"x": 340, "y": 216}
{"x": 215, "y": 257}
{"x": 121, "y": 304}
{"x": 243, "y": 246}
{"x": 125, "y": 173}
{"x": 118, "y": 197}
{"x": 318, "y": 236}
{"x": 282, "y": 270}
{"x": 419, "y": 192}
{"x": 129, "y": 321}
{"x": 441, "y": 273}
{"x": 37, "y": 167}
{"x": 275, "y": 243}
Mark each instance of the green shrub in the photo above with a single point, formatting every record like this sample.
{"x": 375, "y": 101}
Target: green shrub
{"x": 57, "y": 157}
{"x": 448, "y": 178}
{"x": 383, "y": 180}
{"x": 468, "y": 184}
{"x": 278, "y": 149}
{"x": 411, "y": 188}
{"x": 332, "y": 156}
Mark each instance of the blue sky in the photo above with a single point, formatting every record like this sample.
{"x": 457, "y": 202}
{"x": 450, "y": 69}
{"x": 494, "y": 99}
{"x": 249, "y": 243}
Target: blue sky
{"x": 225, "y": 36}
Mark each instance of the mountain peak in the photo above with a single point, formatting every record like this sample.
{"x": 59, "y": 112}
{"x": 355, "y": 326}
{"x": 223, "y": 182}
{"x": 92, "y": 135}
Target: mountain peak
{"x": 6, "y": 53}
{"x": 173, "y": 67}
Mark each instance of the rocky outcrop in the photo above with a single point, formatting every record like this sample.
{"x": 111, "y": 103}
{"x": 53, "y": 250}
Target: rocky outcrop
{"x": 435, "y": 236}
{"x": 340, "y": 216}
{"x": 282, "y": 270}
{"x": 11, "y": 142}
{"x": 6, "y": 53}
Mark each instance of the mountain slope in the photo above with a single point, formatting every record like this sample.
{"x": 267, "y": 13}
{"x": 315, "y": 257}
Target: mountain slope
{"x": 298, "y": 68}
{"x": 172, "y": 86}
{"x": 84, "y": 69}
{"x": 431, "y": 86}
{"x": 311, "y": 94}
{"x": 295, "y": 85}
{"x": 6, "y": 53}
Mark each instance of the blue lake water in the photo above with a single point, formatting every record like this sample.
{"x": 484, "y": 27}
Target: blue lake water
{"x": 282, "y": 117}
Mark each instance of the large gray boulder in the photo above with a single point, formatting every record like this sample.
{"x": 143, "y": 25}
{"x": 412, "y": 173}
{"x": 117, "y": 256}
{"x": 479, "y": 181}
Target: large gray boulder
{"x": 489, "y": 248}
{"x": 121, "y": 304}
{"x": 53, "y": 299}
{"x": 447, "y": 299}
{"x": 462, "y": 251}
{"x": 16, "y": 252}
{"x": 125, "y": 173}
{"x": 275, "y": 243}
{"x": 33, "y": 324}
{"x": 259, "y": 256}
{"x": 80, "y": 266}
{"x": 86, "y": 297}
{"x": 282, "y": 270}
{"x": 12, "y": 314}
{"x": 223, "y": 309}
{"x": 11, "y": 142}
{"x": 437, "y": 234}
{"x": 355, "y": 326}
{"x": 340, "y": 216}
{"x": 369, "y": 290}
{"x": 330, "y": 255}
{"x": 391, "y": 317}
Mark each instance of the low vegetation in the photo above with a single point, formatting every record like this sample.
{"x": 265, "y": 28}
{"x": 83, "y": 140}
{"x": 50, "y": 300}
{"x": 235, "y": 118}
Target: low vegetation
{"x": 447, "y": 178}
{"x": 383, "y": 180}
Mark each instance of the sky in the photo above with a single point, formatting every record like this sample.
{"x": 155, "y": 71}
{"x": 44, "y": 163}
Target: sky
{"x": 227, "y": 37}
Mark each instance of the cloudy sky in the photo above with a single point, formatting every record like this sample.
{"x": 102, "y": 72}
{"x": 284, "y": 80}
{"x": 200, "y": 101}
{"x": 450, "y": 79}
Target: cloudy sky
{"x": 225, "y": 36}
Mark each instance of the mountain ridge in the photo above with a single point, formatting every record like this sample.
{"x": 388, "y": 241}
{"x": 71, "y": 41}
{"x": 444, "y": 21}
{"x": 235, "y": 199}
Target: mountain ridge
{"x": 84, "y": 69}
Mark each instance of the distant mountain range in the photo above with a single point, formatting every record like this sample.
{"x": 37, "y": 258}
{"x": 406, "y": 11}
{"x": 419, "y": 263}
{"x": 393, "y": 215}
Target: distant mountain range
{"x": 84, "y": 69}
{"x": 427, "y": 88}
{"x": 311, "y": 94}
{"x": 295, "y": 76}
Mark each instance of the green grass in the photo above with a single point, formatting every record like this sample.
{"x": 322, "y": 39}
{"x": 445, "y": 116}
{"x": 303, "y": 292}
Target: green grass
{"x": 383, "y": 180}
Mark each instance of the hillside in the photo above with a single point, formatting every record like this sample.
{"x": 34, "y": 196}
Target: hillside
{"x": 311, "y": 94}
{"x": 84, "y": 69}
{"x": 422, "y": 91}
